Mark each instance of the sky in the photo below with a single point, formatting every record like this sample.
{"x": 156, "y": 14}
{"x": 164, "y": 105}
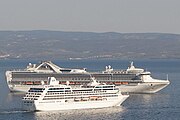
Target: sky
{"x": 124, "y": 16}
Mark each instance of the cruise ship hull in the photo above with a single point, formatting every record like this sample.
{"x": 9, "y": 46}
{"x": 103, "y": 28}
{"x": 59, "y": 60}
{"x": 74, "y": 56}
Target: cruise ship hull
{"x": 132, "y": 80}
{"x": 70, "y": 105}
{"x": 131, "y": 88}
{"x": 143, "y": 87}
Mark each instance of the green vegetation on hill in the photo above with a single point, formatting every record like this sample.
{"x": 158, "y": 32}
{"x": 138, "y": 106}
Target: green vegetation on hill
{"x": 87, "y": 45}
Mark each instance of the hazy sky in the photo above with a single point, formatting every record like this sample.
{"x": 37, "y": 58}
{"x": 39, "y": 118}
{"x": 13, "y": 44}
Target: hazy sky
{"x": 91, "y": 15}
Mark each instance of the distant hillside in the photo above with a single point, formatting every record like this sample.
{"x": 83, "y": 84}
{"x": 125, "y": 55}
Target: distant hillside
{"x": 87, "y": 45}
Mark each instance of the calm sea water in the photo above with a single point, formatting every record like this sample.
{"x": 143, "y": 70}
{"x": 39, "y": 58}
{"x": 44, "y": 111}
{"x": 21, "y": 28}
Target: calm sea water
{"x": 164, "y": 105}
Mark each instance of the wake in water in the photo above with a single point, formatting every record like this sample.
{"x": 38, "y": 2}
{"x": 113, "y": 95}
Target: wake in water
{"x": 13, "y": 111}
{"x": 88, "y": 114}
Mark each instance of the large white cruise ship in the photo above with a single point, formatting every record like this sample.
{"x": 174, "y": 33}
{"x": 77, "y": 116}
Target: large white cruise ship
{"x": 55, "y": 96}
{"x": 132, "y": 80}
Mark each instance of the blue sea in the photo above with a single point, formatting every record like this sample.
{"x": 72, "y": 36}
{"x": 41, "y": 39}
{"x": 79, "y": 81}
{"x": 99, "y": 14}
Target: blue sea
{"x": 164, "y": 105}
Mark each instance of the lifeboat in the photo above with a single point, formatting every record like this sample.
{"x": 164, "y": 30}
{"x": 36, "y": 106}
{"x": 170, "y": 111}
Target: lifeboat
{"x": 118, "y": 83}
{"x": 124, "y": 83}
{"x": 93, "y": 97}
{"x": 121, "y": 83}
{"x": 37, "y": 83}
{"x": 72, "y": 83}
{"x": 29, "y": 83}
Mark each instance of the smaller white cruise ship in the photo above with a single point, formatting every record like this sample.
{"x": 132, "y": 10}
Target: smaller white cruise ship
{"x": 55, "y": 96}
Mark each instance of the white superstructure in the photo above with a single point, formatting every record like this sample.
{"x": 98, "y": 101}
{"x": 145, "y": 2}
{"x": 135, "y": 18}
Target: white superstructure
{"x": 62, "y": 97}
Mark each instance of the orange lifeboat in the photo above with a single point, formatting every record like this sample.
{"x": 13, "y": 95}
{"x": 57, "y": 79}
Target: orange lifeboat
{"x": 37, "y": 83}
{"x": 118, "y": 83}
{"x": 29, "y": 83}
{"x": 125, "y": 83}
